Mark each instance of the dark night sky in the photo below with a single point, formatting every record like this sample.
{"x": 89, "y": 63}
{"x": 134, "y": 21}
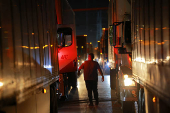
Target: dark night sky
{"x": 90, "y": 22}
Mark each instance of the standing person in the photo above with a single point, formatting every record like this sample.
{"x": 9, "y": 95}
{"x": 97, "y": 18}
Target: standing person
{"x": 91, "y": 77}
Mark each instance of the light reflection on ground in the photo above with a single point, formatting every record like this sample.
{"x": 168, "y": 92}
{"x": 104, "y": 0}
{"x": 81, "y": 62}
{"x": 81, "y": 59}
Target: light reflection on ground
{"x": 78, "y": 99}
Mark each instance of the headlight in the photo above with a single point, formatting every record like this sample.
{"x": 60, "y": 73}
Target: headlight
{"x": 128, "y": 81}
{"x": 125, "y": 76}
{"x": 1, "y": 84}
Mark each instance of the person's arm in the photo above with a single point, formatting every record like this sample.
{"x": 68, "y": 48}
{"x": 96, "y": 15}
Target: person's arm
{"x": 101, "y": 73}
{"x": 81, "y": 67}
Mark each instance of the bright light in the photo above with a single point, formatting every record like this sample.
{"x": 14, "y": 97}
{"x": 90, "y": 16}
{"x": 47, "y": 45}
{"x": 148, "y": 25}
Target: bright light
{"x": 44, "y": 91}
{"x": 125, "y": 76}
{"x": 85, "y": 35}
{"x": 154, "y": 99}
{"x": 103, "y": 28}
{"x": 82, "y": 61}
{"x": 1, "y": 84}
{"x": 48, "y": 66}
{"x": 81, "y": 46}
{"x": 90, "y": 42}
{"x": 98, "y": 41}
{"x": 108, "y": 64}
{"x": 129, "y": 82}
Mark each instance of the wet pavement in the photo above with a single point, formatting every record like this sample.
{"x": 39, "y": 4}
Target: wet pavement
{"x": 77, "y": 101}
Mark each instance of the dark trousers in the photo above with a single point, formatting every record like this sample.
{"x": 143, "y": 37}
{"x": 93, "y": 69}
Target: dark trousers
{"x": 91, "y": 85}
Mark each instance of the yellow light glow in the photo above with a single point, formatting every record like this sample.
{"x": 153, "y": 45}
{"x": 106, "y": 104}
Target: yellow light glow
{"x": 78, "y": 60}
{"x": 127, "y": 82}
{"x": 133, "y": 92}
{"x": 1, "y": 84}
{"x": 98, "y": 41}
{"x": 76, "y": 46}
{"x": 45, "y": 91}
{"x": 81, "y": 46}
{"x": 154, "y": 99}
{"x": 90, "y": 42}
{"x": 101, "y": 53}
{"x": 125, "y": 76}
{"x": 32, "y": 33}
{"x": 85, "y": 35}
{"x": 36, "y": 47}
{"x": 156, "y": 28}
{"x": 164, "y": 28}
{"x": 51, "y": 45}
{"x": 31, "y": 47}
{"x": 103, "y": 28}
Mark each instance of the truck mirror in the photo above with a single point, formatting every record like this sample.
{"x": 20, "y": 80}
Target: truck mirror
{"x": 127, "y": 32}
{"x": 112, "y": 35}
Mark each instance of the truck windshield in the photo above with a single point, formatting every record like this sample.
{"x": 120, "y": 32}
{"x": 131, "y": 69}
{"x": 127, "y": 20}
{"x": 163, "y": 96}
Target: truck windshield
{"x": 64, "y": 37}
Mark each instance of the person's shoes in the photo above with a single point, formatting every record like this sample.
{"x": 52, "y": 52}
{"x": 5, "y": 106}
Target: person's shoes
{"x": 97, "y": 103}
{"x": 91, "y": 104}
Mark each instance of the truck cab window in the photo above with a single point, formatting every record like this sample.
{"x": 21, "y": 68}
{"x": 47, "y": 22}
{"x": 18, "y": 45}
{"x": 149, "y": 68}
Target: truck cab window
{"x": 60, "y": 39}
{"x": 67, "y": 40}
{"x": 64, "y": 37}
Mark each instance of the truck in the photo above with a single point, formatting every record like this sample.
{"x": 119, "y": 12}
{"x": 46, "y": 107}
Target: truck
{"x": 103, "y": 61}
{"x": 81, "y": 48}
{"x": 29, "y": 55}
{"x": 120, "y": 54}
{"x": 150, "y": 54}
{"x": 147, "y": 51}
{"x": 67, "y": 51}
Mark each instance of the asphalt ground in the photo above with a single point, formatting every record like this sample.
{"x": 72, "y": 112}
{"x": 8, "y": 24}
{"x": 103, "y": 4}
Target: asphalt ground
{"x": 77, "y": 101}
